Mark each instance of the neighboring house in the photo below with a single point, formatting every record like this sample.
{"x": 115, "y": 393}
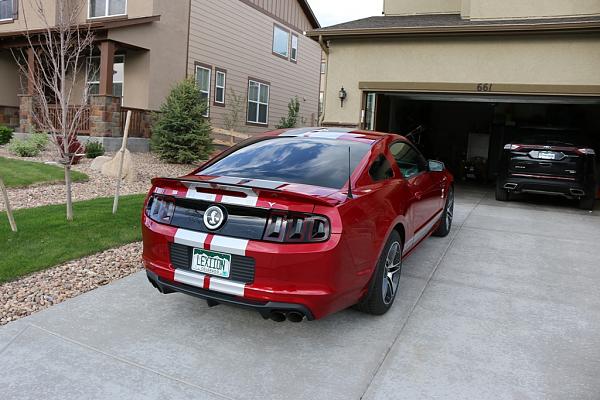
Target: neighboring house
{"x": 254, "y": 48}
{"x": 466, "y": 67}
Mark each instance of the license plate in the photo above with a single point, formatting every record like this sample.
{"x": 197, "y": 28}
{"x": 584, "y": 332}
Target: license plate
{"x": 546, "y": 155}
{"x": 211, "y": 262}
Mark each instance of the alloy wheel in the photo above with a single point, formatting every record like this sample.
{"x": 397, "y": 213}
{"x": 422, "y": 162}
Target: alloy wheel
{"x": 391, "y": 278}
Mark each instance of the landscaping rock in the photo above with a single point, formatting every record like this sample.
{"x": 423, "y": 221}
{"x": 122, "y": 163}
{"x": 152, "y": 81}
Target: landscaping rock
{"x": 41, "y": 290}
{"x": 99, "y": 162}
{"x": 148, "y": 166}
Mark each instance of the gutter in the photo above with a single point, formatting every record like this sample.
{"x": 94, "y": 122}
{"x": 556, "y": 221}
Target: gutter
{"x": 481, "y": 29}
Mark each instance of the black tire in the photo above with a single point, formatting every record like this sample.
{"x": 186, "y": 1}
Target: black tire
{"x": 376, "y": 301}
{"x": 501, "y": 193}
{"x": 447, "y": 216}
{"x": 587, "y": 203}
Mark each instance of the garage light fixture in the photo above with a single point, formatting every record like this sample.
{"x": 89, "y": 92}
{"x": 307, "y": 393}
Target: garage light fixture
{"x": 343, "y": 96}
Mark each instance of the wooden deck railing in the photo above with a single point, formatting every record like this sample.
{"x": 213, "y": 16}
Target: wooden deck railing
{"x": 140, "y": 122}
{"x": 54, "y": 115}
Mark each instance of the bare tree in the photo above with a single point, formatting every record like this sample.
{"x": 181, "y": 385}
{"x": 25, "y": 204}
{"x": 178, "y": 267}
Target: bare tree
{"x": 57, "y": 57}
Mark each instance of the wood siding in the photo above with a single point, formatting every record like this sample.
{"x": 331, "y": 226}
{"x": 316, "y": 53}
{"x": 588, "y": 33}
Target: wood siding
{"x": 238, "y": 38}
{"x": 288, "y": 11}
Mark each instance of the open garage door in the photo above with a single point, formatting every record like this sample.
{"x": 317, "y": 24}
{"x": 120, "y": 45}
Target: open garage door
{"x": 468, "y": 131}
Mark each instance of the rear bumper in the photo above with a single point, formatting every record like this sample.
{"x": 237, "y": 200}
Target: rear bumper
{"x": 566, "y": 188}
{"x": 264, "y": 308}
{"x": 318, "y": 278}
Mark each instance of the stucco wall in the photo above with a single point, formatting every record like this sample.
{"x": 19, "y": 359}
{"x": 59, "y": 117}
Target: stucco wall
{"x": 9, "y": 80}
{"x": 494, "y": 9}
{"x": 411, "y": 7}
{"x": 238, "y": 38}
{"x": 560, "y": 60}
{"x": 149, "y": 76}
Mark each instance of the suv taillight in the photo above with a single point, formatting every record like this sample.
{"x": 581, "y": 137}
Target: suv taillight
{"x": 297, "y": 228}
{"x": 160, "y": 209}
{"x": 589, "y": 152}
{"x": 512, "y": 147}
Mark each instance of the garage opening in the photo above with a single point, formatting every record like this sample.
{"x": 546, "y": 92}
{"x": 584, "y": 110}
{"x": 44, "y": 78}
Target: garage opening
{"x": 468, "y": 132}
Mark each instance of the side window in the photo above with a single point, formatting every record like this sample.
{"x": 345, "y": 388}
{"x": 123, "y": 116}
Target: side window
{"x": 381, "y": 169}
{"x": 409, "y": 160}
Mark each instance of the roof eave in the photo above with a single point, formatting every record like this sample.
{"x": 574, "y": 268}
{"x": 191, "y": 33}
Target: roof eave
{"x": 310, "y": 14}
{"x": 455, "y": 30}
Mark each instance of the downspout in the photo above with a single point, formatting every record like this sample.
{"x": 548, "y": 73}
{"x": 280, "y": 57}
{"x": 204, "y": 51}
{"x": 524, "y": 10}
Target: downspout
{"x": 324, "y": 89}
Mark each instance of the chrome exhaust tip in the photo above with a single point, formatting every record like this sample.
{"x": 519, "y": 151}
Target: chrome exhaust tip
{"x": 577, "y": 192}
{"x": 294, "y": 316}
{"x": 510, "y": 186}
{"x": 277, "y": 316}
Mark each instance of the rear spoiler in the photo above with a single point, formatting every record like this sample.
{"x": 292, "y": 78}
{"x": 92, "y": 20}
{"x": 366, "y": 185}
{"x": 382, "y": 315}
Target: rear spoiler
{"x": 228, "y": 188}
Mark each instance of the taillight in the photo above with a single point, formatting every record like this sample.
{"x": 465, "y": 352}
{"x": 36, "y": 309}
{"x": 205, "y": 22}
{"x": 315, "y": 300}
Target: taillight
{"x": 512, "y": 147}
{"x": 160, "y": 209}
{"x": 589, "y": 152}
{"x": 296, "y": 228}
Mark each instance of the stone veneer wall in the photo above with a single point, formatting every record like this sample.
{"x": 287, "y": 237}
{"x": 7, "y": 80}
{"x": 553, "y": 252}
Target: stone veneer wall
{"x": 105, "y": 116}
{"x": 9, "y": 116}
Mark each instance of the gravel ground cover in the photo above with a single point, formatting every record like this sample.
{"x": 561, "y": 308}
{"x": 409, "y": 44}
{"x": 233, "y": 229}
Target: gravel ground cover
{"x": 36, "y": 292}
{"x": 147, "y": 165}
{"x": 41, "y": 290}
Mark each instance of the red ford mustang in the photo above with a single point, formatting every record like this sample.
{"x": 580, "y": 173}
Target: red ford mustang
{"x": 297, "y": 224}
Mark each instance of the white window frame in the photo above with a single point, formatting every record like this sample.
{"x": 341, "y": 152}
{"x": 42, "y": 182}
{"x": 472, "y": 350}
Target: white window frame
{"x": 87, "y": 74}
{"x": 288, "y": 33}
{"x": 323, "y": 67}
{"x": 370, "y": 112}
{"x": 217, "y": 86}
{"x": 258, "y": 102}
{"x": 292, "y": 48}
{"x": 207, "y": 114}
{"x": 12, "y": 16}
{"x": 106, "y": 10}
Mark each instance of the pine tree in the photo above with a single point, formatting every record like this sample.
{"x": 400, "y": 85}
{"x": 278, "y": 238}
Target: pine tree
{"x": 181, "y": 133}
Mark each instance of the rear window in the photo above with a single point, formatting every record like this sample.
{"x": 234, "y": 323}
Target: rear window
{"x": 567, "y": 139}
{"x": 308, "y": 161}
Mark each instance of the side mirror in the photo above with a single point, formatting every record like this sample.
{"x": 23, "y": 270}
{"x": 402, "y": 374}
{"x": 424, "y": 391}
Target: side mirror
{"x": 436, "y": 166}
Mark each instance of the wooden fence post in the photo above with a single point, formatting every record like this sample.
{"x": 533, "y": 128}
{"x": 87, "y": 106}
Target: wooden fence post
{"x": 11, "y": 218}
{"x": 122, "y": 153}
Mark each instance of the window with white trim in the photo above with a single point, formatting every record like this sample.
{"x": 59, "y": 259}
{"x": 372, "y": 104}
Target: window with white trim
{"x": 203, "y": 82}
{"x": 7, "y": 11}
{"x": 323, "y": 66}
{"x": 294, "y": 52}
{"x": 258, "y": 102}
{"x": 107, "y": 8}
{"x": 220, "y": 82}
{"x": 93, "y": 75}
{"x": 281, "y": 41}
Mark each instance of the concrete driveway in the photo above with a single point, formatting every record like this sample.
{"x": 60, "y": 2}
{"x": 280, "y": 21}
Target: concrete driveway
{"x": 507, "y": 307}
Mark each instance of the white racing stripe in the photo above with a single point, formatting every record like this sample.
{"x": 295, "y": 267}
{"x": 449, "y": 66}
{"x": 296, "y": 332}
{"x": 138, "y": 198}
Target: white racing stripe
{"x": 225, "y": 286}
{"x": 189, "y": 278}
{"x": 325, "y": 135}
{"x": 422, "y": 232}
{"x": 190, "y": 238}
{"x": 229, "y": 245}
{"x": 249, "y": 201}
{"x": 192, "y": 193}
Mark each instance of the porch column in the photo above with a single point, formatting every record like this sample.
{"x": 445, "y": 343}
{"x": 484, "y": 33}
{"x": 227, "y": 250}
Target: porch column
{"x": 107, "y": 61}
{"x": 26, "y": 124}
{"x": 105, "y": 109}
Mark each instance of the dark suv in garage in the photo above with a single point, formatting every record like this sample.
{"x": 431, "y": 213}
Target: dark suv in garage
{"x": 548, "y": 163}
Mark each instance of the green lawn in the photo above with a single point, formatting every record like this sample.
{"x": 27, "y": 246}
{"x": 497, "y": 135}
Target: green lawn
{"x": 45, "y": 239}
{"x": 17, "y": 173}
